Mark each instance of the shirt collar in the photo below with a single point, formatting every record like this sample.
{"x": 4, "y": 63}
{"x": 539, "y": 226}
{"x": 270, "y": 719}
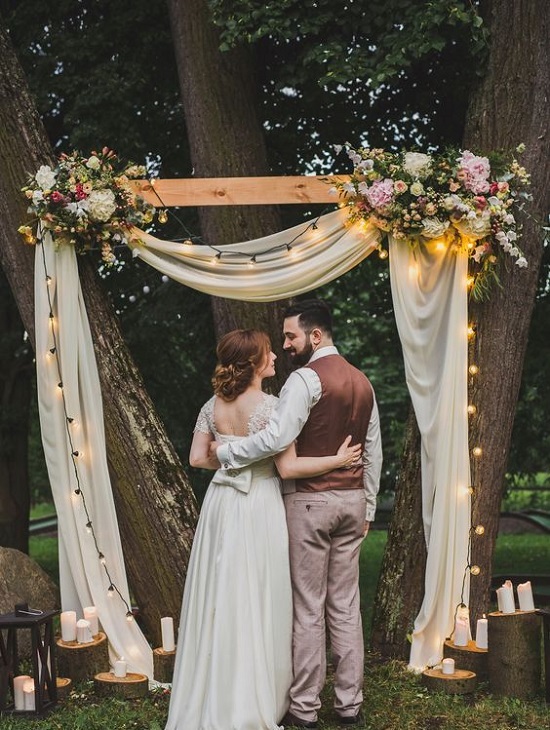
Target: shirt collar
{"x": 323, "y": 352}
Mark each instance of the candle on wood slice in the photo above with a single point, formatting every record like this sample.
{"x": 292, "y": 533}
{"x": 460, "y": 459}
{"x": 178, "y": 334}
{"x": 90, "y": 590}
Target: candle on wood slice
{"x": 90, "y": 614}
{"x": 83, "y": 633}
{"x": 167, "y": 629}
{"x": 460, "y": 636}
{"x": 448, "y": 666}
{"x": 120, "y": 668}
{"x": 505, "y": 598}
{"x": 28, "y": 695}
{"x": 68, "y": 625}
{"x": 525, "y": 596}
{"x": 18, "y": 696}
{"x": 482, "y": 633}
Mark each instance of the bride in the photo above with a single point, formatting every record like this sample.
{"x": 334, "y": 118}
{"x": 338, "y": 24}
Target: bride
{"x": 233, "y": 663}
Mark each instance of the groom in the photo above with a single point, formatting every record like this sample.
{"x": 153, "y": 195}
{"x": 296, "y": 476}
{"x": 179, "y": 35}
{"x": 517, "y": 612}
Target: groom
{"x": 322, "y": 402}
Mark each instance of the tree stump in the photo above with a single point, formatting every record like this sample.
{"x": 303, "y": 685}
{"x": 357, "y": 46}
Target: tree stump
{"x": 81, "y": 662}
{"x": 468, "y": 657}
{"x": 131, "y": 687}
{"x": 462, "y": 682}
{"x": 163, "y": 665}
{"x": 64, "y": 686}
{"x": 514, "y": 662}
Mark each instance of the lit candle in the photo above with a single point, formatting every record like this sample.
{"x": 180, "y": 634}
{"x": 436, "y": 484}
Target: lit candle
{"x": 83, "y": 633}
{"x": 525, "y": 596}
{"x": 448, "y": 666}
{"x": 461, "y": 632}
{"x": 18, "y": 696}
{"x": 68, "y": 625}
{"x": 90, "y": 614}
{"x": 167, "y": 628}
{"x": 481, "y": 633}
{"x": 505, "y": 598}
{"x": 120, "y": 668}
{"x": 28, "y": 695}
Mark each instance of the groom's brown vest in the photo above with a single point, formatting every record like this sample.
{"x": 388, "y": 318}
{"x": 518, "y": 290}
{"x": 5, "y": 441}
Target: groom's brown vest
{"x": 344, "y": 409}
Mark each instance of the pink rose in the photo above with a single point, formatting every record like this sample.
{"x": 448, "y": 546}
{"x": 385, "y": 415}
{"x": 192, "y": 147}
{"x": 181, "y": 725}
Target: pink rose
{"x": 380, "y": 193}
{"x": 476, "y": 171}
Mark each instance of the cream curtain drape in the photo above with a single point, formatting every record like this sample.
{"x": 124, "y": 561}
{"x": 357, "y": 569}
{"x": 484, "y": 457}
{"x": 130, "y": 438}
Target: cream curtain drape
{"x": 431, "y": 312}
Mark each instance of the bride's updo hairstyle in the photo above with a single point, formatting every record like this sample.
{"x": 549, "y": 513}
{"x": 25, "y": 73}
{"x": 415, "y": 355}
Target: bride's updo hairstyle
{"x": 240, "y": 354}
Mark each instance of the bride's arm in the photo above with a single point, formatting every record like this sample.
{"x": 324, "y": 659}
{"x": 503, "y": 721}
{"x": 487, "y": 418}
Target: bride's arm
{"x": 291, "y": 466}
{"x": 199, "y": 455}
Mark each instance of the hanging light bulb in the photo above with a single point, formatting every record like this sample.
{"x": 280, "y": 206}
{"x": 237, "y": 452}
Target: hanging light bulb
{"x": 129, "y": 616}
{"x": 382, "y": 253}
{"x": 475, "y": 569}
{"x": 473, "y": 370}
{"x": 480, "y": 530}
{"x": 102, "y": 558}
{"x": 110, "y": 591}
{"x": 472, "y": 410}
{"x": 477, "y": 451}
{"x": 162, "y": 215}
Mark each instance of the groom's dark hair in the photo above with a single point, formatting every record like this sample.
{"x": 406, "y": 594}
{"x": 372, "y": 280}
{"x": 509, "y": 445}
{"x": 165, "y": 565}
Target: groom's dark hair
{"x": 311, "y": 313}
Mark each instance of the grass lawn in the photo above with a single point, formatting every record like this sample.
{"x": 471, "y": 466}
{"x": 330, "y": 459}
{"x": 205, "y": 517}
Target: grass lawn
{"x": 394, "y": 698}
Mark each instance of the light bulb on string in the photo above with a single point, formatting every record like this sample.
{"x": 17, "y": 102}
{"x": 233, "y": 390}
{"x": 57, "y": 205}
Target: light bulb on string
{"x": 110, "y": 591}
{"x": 479, "y": 530}
{"x": 129, "y": 616}
{"x": 89, "y": 528}
{"x": 477, "y": 451}
{"x": 475, "y": 569}
{"x": 162, "y": 215}
{"x": 473, "y": 369}
{"x": 471, "y": 331}
{"x": 101, "y": 558}
{"x": 382, "y": 253}
{"x": 471, "y": 409}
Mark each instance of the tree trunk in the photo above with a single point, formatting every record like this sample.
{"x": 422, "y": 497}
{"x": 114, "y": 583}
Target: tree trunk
{"x": 226, "y": 139}
{"x": 509, "y": 107}
{"x": 401, "y": 583}
{"x": 15, "y": 396}
{"x": 155, "y": 503}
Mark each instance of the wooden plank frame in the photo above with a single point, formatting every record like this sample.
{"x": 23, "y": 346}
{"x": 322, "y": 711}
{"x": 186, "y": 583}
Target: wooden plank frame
{"x": 299, "y": 189}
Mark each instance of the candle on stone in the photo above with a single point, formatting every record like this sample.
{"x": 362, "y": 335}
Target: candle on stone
{"x": 18, "y": 696}
{"x": 120, "y": 668}
{"x": 460, "y": 637}
{"x": 482, "y": 633}
{"x": 68, "y": 625}
{"x": 167, "y": 628}
{"x": 83, "y": 633}
{"x": 90, "y": 614}
{"x": 525, "y": 597}
{"x": 28, "y": 695}
{"x": 505, "y": 598}
{"x": 448, "y": 666}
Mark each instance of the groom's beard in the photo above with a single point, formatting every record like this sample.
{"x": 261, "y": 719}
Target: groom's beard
{"x": 299, "y": 359}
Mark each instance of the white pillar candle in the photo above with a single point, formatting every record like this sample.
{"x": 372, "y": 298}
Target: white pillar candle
{"x": 90, "y": 614}
{"x": 461, "y": 632}
{"x": 525, "y": 597}
{"x": 167, "y": 628}
{"x": 481, "y": 633}
{"x": 505, "y": 598}
{"x": 120, "y": 668}
{"x": 18, "y": 697}
{"x": 83, "y": 633}
{"x": 68, "y": 625}
{"x": 28, "y": 695}
{"x": 448, "y": 666}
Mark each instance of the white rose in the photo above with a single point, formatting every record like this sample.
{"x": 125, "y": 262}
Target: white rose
{"x": 93, "y": 162}
{"x": 433, "y": 227}
{"x": 417, "y": 188}
{"x": 417, "y": 164}
{"x": 45, "y": 177}
{"x": 101, "y": 205}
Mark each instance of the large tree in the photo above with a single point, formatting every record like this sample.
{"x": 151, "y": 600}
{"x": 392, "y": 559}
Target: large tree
{"x": 155, "y": 504}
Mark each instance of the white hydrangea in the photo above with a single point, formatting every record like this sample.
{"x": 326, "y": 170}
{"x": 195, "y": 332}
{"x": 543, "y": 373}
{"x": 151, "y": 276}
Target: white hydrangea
{"x": 45, "y": 177}
{"x": 101, "y": 205}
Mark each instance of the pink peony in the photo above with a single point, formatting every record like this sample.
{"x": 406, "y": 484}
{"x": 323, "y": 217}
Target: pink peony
{"x": 380, "y": 193}
{"x": 474, "y": 171}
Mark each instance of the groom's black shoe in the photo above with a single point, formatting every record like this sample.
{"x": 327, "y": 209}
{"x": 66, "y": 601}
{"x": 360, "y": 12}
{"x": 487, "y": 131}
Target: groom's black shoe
{"x": 351, "y": 719}
{"x": 290, "y": 720}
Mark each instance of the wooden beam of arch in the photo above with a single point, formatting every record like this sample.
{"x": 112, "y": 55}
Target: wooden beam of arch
{"x": 207, "y": 191}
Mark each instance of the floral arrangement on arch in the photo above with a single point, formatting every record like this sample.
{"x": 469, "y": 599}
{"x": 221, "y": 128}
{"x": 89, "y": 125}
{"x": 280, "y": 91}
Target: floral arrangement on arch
{"x": 87, "y": 202}
{"x": 466, "y": 199}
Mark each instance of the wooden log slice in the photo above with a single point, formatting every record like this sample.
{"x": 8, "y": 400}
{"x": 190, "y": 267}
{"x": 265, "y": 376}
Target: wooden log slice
{"x": 81, "y": 662}
{"x": 64, "y": 686}
{"x": 514, "y": 660}
{"x": 163, "y": 665}
{"x": 468, "y": 657}
{"x": 462, "y": 682}
{"x": 131, "y": 687}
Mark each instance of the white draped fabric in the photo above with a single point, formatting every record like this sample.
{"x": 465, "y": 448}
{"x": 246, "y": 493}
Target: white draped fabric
{"x": 431, "y": 310}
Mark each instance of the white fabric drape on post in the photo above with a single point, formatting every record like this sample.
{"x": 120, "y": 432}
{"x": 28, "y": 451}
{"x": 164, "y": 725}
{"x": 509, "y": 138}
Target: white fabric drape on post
{"x": 431, "y": 309}
{"x": 82, "y": 576}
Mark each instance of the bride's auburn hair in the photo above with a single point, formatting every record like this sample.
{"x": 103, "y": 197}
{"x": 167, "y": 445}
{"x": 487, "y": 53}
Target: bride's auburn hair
{"x": 240, "y": 354}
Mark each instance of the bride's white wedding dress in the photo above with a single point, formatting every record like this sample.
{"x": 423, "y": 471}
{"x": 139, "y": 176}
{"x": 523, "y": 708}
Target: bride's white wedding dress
{"x": 233, "y": 663}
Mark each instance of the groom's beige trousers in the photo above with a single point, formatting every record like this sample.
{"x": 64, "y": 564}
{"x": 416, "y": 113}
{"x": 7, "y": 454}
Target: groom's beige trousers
{"x": 325, "y": 535}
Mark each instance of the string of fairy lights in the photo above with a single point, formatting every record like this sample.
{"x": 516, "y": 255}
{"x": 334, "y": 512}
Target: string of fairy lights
{"x": 76, "y": 453}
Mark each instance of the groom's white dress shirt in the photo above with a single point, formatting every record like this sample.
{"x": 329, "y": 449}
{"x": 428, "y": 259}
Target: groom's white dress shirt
{"x": 299, "y": 394}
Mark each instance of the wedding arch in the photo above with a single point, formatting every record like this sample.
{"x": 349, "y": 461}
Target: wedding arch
{"x": 429, "y": 284}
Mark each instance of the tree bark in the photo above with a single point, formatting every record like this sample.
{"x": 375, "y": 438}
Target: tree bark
{"x": 509, "y": 107}
{"x": 225, "y": 139}
{"x": 155, "y": 503}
